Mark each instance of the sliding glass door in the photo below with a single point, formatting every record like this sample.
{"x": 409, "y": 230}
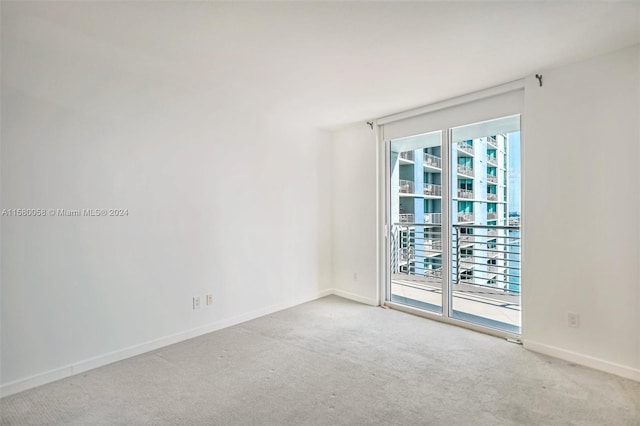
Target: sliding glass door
{"x": 453, "y": 223}
{"x": 416, "y": 221}
{"x": 485, "y": 231}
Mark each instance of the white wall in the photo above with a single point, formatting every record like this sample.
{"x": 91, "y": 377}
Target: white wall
{"x": 354, "y": 213}
{"x": 222, "y": 198}
{"x": 582, "y": 210}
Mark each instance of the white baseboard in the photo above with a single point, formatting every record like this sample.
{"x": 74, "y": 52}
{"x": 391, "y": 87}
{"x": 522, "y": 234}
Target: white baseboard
{"x": 585, "y": 360}
{"x": 355, "y": 297}
{"x": 119, "y": 355}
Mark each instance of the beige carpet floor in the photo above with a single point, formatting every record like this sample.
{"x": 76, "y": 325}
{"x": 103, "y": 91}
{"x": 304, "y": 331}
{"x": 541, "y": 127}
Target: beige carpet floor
{"x": 334, "y": 362}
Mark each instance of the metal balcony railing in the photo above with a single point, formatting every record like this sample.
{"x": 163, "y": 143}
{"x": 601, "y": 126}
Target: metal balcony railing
{"x": 465, "y": 193}
{"x": 416, "y": 250}
{"x": 492, "y": 216}
{"x": 465, "y": 217}
{"x": 493, "y": 264}
{"x": 407, "y": 155}
{"x": 433, "y": 218}
{"x": 467, "y": 239}
{"x": 492, "y": 160}
{"x": 492, "y": 179}
{"x": 406, "y": 218}
{"x": 492, "y": 141}
{"x": 492, "y": 197}
{"x": 433, "y": 245}
{"x": 466, "y": 147}
{"x": 494, "y": 253}
{"x": 433, "y": 273}
{"x": 432, "y": 161}
{"x": 406, "y": 186}
{"x": 432, "y": 189}
{"x": 463, "y": 170}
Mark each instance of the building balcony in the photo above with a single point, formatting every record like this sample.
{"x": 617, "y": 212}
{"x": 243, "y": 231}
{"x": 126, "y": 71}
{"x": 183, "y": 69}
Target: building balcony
{"x": 433, "y": 218}
{"x": 432, "y": 189}
{"x": 465, "y": 193}
{"x": 432, "y": 161}
{"x": 492, "y": 197}
{"x": 433, "y": 245}
{"x": 466, "y": 239}
{"x": 492, "y": 179}
{"x": 465, "y": 171}
{"x": 433, "y": 273}
{"x": 492, "y": 160}
{"x": 406, "y": 186}
{"x": 492, "y": 216}
{"x": 465, "y": 217}
{"x": 494, "y": 253}
{"x": 407, "y": 218}
{"x": 406, "y": 257}
{"x": 492, "y": 141}
{"x": 492, "y": 232}
{"x": 466, "y": 263}
{"x": 407, "y": 155}
{"x": 465, "y": 147}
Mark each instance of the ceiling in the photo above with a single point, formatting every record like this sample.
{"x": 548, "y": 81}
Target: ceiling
{"x": 325, "y": 64}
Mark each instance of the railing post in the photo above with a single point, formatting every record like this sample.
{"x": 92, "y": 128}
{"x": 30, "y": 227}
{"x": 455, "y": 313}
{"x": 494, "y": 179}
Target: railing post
{"x": 458, "y": 254}
{"x": 394, "y": 249}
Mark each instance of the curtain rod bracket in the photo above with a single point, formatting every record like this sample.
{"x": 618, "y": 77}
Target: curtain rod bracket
{"x": 370, "y": 123}
{"x": 539, "y": 77}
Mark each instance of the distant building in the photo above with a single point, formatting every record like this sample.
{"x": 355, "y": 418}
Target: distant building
{"x": 480, "y": 198}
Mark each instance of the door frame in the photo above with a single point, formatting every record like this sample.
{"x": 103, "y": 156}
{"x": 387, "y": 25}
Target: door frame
{"x": 384, "y": 211}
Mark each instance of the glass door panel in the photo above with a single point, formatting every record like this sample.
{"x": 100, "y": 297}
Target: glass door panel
{"x": 415, "y": 234}
{"x": 485, "y": 223}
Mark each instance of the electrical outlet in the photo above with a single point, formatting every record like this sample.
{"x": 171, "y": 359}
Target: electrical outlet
{"x": 209, "y": 299}
{"x": 573, "y": 320}
{"x": 196, "y": 302}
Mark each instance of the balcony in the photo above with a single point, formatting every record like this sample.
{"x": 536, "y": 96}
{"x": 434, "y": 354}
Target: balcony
{"x": 407, "y": 155}
{"x": 492, "y": 232}
{"x": 432, "y": 189}
{"x": 432, "y": 161}
{"x": 492, "y": 179}
{"x": 406, "y": 218}
{"x": 433, "y": 218}
{"x": 405, "y": 186}
{"x": 492, "y": 160}
{"x": 492, "y": 141}
{"x": 433, "y": 273}
{"x": 465, "y": 217}
{"x": 466, "y": 239}
{"x": 466, "y": 171}
{"x": 484, "y": 290}
{"x": 406, "y": 256}
{"x": 494, "y": 253}
{"x": 492, "y": 197}
{"x": 433, "y": 245}
{"x": 465, "y": 193}
{"x": 465, "y": 147}
{"x": 492, "y": 216}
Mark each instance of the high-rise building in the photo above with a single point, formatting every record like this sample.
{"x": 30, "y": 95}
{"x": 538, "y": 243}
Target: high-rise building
{"x": 479, "y": 201}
